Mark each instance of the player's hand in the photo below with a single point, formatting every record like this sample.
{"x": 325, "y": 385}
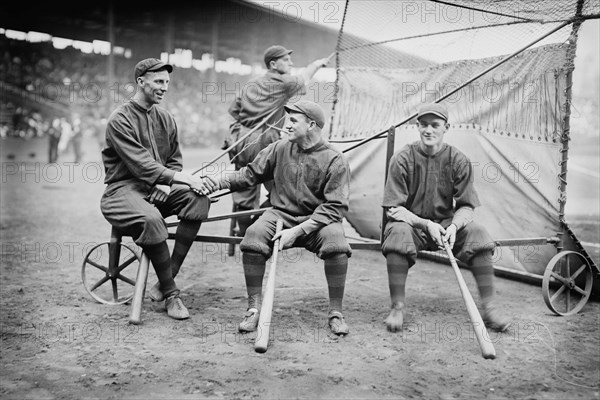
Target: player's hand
{"x": 450, "y": 235}
{"x": 436, "y": 232}
{"x": 159, "y": 194}
{"x": 204, "y": 185}
{"x": 288, "y": 236}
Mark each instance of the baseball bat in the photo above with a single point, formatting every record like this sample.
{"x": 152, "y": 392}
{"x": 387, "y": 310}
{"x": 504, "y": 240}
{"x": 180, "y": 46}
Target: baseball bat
{"x": 264, "y": 320}
{"x": 486, "y": 346}
{"x": 135, "y": 317}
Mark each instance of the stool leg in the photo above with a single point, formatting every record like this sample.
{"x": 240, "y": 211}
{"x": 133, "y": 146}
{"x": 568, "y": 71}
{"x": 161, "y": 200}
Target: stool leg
{"x": 232, "y": 232}
{"x": 114, "y": 251}
{"x": 135, "y": 317}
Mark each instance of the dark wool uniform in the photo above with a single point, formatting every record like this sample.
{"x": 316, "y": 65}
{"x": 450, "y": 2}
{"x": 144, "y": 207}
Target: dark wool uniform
{"x": 259, "y": 97}
{"x": 307, "y": 184}
{"x": 142, "y": 150}
{"x": 435, "y": 188}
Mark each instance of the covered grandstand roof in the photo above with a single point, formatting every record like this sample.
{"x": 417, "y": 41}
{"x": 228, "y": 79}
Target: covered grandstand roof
{"x": 233, "y": 28}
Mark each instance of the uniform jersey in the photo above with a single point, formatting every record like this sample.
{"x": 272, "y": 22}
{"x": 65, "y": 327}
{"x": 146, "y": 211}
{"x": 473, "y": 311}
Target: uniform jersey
{"x": 314, "y": 182}
{"x": 141, "y": 144}
{"x": 432, "y": 187}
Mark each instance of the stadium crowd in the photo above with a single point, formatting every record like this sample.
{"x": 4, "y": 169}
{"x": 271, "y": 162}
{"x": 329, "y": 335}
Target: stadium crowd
{"x": 50, "y": 85}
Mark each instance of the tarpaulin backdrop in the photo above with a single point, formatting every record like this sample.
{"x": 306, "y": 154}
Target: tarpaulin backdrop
{"x": 509, "y": 123}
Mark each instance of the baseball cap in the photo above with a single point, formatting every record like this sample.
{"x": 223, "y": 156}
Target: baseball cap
{"x": 274, "y": 52}
{"x": 435, "y": 109}
{"x": 310, "y": 109}
{"x": 151, "y": 65}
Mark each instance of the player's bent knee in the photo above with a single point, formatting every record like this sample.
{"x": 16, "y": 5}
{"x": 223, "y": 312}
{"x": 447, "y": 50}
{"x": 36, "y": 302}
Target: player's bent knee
{"x": 398, "y": 238}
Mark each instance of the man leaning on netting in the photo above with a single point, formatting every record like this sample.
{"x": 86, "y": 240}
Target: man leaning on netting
{"x": 259, "y": 98}
{"x": 429, "y": 199}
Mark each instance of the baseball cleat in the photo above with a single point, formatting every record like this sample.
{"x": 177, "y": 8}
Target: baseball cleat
{"x": 250, "y": 321}
{"x": 175, "y": 308}
{"x": 495, "y": 320}
{"x": 337, "y": 324}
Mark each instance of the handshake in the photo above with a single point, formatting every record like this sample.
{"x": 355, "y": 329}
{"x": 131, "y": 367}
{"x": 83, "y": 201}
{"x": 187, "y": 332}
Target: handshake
{"x": 204, "y": 185}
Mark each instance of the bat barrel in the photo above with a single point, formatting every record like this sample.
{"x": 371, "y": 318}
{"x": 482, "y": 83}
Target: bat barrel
{"x": 262, "y": 337}
{"x": 486, "y": 346}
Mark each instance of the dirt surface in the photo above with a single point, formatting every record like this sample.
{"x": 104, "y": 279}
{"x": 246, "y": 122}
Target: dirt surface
{"x": 59, "y": 343}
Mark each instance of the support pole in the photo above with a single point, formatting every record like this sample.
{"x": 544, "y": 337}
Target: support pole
{"x": 391, "y": 142}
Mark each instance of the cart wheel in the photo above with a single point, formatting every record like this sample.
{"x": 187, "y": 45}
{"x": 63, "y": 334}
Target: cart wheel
{"x": 567, "y": 283}
{"x": 108, "y": 283}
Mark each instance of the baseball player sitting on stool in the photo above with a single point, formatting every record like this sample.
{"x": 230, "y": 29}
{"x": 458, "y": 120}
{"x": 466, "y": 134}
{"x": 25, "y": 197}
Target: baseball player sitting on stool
{"x": 145, "y": 184}
{"x": 429, "y": 198}
{"x": 311, "y": 194}
{"x": 259, "y": 97}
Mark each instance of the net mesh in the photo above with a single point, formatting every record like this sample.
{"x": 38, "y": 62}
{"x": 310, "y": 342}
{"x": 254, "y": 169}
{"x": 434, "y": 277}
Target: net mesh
{"x": 393, "y": 55}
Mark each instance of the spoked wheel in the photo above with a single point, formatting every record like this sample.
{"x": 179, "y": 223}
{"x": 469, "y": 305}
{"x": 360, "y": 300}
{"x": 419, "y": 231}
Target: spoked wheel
{"x": 108, "y": 272}
{"x": 567, "y": 283}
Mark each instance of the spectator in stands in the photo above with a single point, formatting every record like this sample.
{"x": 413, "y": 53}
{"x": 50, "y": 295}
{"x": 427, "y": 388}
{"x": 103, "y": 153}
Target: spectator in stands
{"x": 54, "y": 131}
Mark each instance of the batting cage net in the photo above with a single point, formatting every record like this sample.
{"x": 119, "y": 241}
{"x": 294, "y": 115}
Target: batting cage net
{"x": 504, "y": 71}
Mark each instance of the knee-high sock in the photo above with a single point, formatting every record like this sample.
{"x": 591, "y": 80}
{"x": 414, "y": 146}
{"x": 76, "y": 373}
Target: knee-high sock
{"x": 161, "y": 261}
{"x": 254, "y": 272}
{"x": 397, "y": 266}
{"x": 184, "y": 237}
{"x": 336, "y": 268}
{"x": 483, "y": 272}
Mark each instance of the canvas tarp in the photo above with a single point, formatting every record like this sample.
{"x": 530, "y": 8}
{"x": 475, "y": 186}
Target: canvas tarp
{"x": 509, "y": 124}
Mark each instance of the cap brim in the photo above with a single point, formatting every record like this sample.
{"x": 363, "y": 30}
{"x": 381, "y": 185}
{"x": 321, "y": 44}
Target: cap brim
{"x": 293, "y": 108}
{"x": 157, "y": 67}
{"x": 437, "y": 114}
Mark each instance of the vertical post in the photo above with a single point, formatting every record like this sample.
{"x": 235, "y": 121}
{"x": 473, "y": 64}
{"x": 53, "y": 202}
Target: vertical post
{"x": 391, "y": 141}
{"x": 566, "y": 126}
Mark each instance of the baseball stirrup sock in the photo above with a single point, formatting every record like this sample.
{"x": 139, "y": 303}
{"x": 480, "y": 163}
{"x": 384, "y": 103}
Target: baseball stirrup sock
{"x": 336, "y": 268}
{"x": 184, "y": 238}
{"x": 254, "y": 271}
{"x": 161, "y": 261}
{"x": 483, "y": 272}
{"x": 397, "y": 266}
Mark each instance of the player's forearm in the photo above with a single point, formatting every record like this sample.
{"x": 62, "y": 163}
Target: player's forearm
{"x": 462, "y": 217}
{"x": 311, "y": 69}
{"x": 402, "y": 214}
{"x": 310, "y": 225}
{"x": 183, "y": 178}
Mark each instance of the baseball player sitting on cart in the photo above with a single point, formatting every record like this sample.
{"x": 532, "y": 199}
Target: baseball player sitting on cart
{"x": 429, "y": 198}
{"x": 145, "y": 182}
{"x": 310, "y": 194}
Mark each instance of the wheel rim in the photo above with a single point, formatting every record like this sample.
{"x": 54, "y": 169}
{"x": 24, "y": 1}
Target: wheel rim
{"x": 105, "y": 286}
{"x": 567, "y": 283}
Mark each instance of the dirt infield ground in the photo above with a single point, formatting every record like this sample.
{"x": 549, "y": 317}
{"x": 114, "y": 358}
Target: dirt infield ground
{"x": 58, "y": 343}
